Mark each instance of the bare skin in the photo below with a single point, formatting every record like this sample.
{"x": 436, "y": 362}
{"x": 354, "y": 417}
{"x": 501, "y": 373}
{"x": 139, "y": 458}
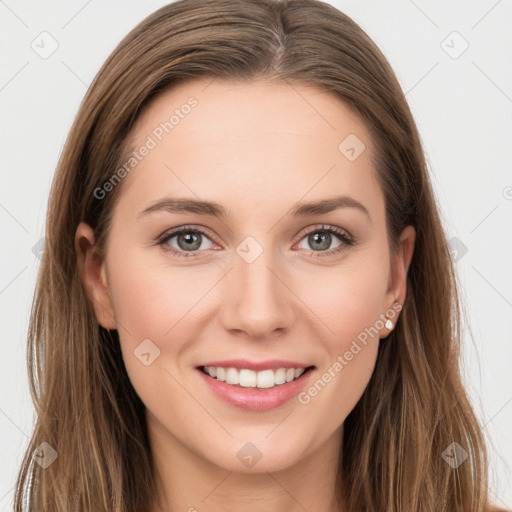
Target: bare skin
{"x": 258, "y": 150}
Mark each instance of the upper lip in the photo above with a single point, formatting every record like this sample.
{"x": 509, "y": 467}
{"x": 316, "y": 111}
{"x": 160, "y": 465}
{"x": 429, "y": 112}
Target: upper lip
{"x": 271, "y": 364}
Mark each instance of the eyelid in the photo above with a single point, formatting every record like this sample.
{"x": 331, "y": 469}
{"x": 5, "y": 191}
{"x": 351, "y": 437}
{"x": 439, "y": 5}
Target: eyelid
{"x": 324, "y": 227}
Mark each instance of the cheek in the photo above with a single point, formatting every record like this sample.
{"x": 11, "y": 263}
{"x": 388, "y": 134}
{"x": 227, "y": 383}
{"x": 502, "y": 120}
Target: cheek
{"x": 148, "y": 304}
{"x": 150, "y": 297}
{"x": 143, "y": 305}
{"x": 350, "y": 304}
{"x": 348, "y": 301}
{"x": 151, "y": 311}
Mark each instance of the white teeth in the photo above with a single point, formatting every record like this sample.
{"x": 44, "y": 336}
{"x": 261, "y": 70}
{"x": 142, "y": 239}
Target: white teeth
{"x": 266, "y": 379}
{"x": 250, "y": 379}
{"x": 280, "y": 376}
{"x": 232, "y": 376}
{"x": 221, "y": 373}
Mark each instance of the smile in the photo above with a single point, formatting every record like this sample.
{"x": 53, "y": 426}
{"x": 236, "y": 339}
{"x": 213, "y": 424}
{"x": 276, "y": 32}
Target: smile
{"x": 255, "y": 386}
{"x": 246, "y": 378}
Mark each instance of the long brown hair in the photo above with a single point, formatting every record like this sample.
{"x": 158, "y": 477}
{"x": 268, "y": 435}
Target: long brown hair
{"x": 415, "y": 405}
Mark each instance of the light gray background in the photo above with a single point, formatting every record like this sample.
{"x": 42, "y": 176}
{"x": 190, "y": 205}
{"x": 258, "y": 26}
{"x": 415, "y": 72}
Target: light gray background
{"x": 463, "y": 108}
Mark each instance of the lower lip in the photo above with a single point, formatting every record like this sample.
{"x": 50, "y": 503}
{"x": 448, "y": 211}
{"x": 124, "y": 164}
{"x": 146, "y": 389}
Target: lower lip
{"x": 255, "y": 399}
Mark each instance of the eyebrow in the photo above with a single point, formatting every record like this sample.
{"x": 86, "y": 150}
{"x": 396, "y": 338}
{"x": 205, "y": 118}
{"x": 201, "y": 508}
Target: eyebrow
{"x": 200, "y": 207}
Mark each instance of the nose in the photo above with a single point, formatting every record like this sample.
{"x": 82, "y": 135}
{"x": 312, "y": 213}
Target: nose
{"x": 257, "y": 300}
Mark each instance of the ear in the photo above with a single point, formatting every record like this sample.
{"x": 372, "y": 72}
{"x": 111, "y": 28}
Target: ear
{"x": 92, "y": 268}
{"x": 400, "y": 266}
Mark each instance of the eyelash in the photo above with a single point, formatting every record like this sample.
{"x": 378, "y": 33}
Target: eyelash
{"x": 346, "y": 239}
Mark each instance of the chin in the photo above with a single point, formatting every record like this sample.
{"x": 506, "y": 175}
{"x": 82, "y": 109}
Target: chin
{"x": 257, "y": 454}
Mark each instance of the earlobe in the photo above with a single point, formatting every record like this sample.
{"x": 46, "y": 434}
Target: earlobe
{"x": 92, "y": 269}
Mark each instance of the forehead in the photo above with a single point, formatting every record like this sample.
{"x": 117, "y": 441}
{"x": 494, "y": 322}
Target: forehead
{"x": 260, "y": 141}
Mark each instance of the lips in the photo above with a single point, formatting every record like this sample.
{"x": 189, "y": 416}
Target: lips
{"x": 256, "y": 386}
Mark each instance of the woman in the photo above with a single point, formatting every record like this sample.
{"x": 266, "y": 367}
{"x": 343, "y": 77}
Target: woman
{"x": 246, "y": 299}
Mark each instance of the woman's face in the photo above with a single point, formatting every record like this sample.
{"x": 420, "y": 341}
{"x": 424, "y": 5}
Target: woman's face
{"x": 257, "y": 282}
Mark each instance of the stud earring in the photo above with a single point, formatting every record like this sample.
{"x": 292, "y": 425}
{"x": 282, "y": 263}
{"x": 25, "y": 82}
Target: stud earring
{"x": 389, "y": 324}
